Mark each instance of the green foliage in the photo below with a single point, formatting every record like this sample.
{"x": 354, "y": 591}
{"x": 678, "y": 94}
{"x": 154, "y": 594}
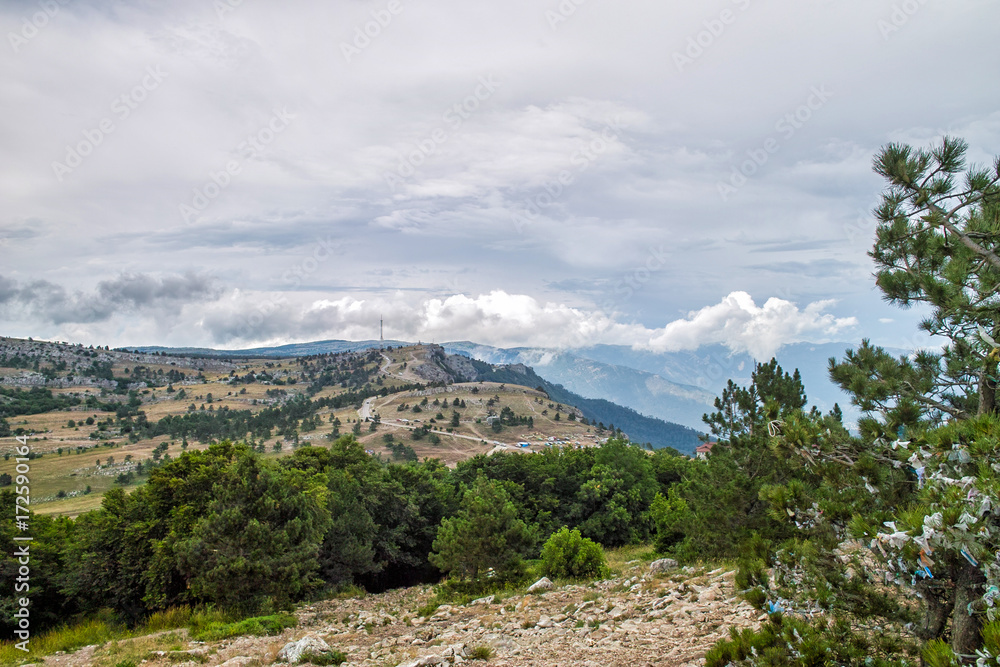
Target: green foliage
{"x": 740, "y": 410}
{"x": 223, "y": 526}
{"x": 949, "y": 529}
{"x": 481, "y": 653}
{"x": 484, "y": 535}
{"x": 259, "y": 537}
{"x": 937, "y": 653}
{"x": 568, "y": 554}
{"x": 65, "y": 638}
{"x": 936, "y": 243}
{"x": 616, "y": 498}
{"x": 257, "y": 626}
{"x": 787, "y": 641}
{"x": 14, "y": 401}
{"x": 721, "y": 502}
{"x": 921, "y": 504}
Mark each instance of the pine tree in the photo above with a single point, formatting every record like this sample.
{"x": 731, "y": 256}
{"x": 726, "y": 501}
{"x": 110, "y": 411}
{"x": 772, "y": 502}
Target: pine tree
{"x": 936, "y": 243}
{"x": 485, "y": 534}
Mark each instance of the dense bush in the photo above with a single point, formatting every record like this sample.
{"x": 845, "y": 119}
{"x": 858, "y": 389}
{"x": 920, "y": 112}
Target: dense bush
{"x": 788, "y": 641}
{"x": 227, "y": 527}
{"x": 485, "y": 538}
{"x": 568, "y": 554}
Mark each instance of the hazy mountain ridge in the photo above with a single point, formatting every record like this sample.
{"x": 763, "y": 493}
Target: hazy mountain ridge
{"x": 676, "y": 386}
{"x": 646, "y": 392}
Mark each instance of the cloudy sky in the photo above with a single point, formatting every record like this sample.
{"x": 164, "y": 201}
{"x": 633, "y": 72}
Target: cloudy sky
{"x": 530, "y": 172}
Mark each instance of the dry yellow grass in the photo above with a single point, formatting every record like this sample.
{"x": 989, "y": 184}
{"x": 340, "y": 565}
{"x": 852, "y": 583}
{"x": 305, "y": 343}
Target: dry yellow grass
{"x": 73, "y": 472}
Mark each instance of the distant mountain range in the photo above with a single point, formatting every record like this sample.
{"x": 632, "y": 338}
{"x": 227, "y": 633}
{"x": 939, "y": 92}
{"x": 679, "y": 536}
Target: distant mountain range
{"x": 644, "y": 391}
{"x": 677, "y": 387}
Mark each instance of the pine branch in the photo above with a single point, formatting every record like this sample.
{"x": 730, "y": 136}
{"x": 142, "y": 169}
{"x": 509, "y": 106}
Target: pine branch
{"x": 967, "y": 241}
{"x": 957, "y": 413}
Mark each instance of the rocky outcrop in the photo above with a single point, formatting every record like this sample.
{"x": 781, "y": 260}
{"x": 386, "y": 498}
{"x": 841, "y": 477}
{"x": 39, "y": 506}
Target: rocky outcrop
{"x": 292, "y": 652}
{"x": 542, "y": 584}
{"x": 664, "y": 618}
{"x": 662, "y": 565}
{"x": 639, "y": 619}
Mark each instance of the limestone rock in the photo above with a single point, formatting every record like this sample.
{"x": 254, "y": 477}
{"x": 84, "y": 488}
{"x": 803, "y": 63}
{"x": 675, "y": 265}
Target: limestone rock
{"x": 425, "y": 661}
{"x": 543, "y": 584}
{"x": 292, "y": 651}
{"x": 617, "y": 612}
{"x": 662, "y": 565}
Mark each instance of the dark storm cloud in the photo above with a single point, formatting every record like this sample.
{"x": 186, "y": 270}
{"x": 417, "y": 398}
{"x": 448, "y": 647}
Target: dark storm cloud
{"x": 50, "y": 302}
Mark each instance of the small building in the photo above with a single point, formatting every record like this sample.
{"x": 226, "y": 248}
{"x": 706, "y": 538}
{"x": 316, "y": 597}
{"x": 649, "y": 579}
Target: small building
{"x": 702, "y": 451}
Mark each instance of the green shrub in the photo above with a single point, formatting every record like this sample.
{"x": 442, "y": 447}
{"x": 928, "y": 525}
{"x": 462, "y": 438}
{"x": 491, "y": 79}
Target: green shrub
{"x": 324, "y": 658}
{"x": 428, "y": 609}
{"x": 991, "y": 637}
{"x": 788, "y": 641}
{"x": 258, "y": 625}
{"x": 568, "y": 554}
{"x": 481, "y": 653}
{"x": 175, "y": 617}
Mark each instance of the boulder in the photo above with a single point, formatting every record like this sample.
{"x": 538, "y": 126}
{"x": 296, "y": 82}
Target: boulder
{"x": 543, "y": 584}
{"x": 662, "y": 565}
{"x": 425, "y": 661}
{"x": 456, "y": 651}
{"x": 292, "y": 651}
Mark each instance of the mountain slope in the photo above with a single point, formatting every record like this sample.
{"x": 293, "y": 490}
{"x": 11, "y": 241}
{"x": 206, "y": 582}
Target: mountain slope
{"x": 439, "y": 367}
{"x": 646, "y": 392}
{"x": 640, "y": 428}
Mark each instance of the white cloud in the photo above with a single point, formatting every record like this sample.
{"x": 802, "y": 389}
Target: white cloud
{"x": 742, "y": 326}
{"x": 190, "y": 310}
{"x": 514, "y": 320}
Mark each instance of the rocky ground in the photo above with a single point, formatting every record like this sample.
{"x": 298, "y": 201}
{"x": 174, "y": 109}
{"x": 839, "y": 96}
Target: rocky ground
{"x": 645, "y": 617}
